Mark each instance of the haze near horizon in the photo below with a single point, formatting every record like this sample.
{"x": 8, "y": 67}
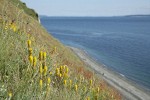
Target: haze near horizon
{"x": 90, "y": 7}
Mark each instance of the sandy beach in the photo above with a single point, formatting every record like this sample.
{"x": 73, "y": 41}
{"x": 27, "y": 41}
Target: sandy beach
{"x": 129, "y": 90}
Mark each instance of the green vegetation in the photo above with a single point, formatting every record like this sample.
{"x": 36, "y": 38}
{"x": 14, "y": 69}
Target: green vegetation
{"x": 34, "y": 65}
{"x": 23, "y": 6}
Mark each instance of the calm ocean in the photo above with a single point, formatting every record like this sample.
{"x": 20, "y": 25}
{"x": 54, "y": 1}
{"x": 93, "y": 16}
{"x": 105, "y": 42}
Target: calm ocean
{"x": 120, "y": 43}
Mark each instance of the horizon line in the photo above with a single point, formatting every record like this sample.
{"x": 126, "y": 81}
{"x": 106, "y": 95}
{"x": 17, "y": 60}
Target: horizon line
{"x": 96, "y": 16}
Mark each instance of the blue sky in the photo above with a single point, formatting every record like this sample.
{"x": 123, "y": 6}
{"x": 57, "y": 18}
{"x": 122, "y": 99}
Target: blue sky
{"x": 89, "y": 7}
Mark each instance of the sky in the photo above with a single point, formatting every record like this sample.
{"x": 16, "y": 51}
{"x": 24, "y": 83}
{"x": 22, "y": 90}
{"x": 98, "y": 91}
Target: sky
{"x": 89, "y": 7}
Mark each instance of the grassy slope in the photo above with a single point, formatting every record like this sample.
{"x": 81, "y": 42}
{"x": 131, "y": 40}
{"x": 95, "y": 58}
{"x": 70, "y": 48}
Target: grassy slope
{"x": 19, "y": 78}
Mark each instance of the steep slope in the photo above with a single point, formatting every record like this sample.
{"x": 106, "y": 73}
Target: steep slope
{"x": 34, "y": 65}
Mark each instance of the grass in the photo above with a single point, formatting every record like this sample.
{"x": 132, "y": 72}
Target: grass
{"x": 34, "y": 65}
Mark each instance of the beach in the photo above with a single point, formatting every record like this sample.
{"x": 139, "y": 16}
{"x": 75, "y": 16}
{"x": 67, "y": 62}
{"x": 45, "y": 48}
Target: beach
{"x": 128, "y": 89}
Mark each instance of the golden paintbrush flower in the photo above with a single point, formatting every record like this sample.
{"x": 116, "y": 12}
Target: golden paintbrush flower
{"x": 64, "y": 67}
{"x": 10, "y": 94}
{"x": 88, "y": 98}
{"x": 30, "y": 51}
{"x": 15, "y": 28}
{"x": 34, "y": 61}
{"x": 40, "y": 55}
{"x": 98, "y": 89}
{"x": 44, "y": 55}
{"x": 60, "y": 75}
{"x": 41, "y": 83}
{"x": 50, "y": 73}
{"x": 91, "y": 82}
{"x": 57, "y": 71}
{"x": 65, "y": 82}
{"x": 48, "y": 80}
{"x": 31, "y": 59}
{"x": 11, "y": 25}
{"x": 67, "y": 69}
{"x": 70, "y": 83}
{"x": 76, "y": 87}
{"x": 29, "y": 43}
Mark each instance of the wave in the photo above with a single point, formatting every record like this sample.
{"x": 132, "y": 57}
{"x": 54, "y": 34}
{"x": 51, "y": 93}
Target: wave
{"x": 122, "y": 75}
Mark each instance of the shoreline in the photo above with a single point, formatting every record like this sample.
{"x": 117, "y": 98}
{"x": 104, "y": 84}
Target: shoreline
{"x": 127, "y": 89}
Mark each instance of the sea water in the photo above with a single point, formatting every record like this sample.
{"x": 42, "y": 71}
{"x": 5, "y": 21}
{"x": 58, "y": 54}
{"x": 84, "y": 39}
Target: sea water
{"x": 120, "y": 43}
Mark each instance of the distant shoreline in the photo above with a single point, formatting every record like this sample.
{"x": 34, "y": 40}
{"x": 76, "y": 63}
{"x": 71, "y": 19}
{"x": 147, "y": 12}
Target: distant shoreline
{"x": 129, "y": 90}
{"x": 138, "y": 15}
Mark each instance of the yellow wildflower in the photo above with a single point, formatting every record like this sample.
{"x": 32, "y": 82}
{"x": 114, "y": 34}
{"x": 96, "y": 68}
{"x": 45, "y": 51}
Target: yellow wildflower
{"x": 76, "y": 87}
{"x": 44, "y": 55}
{"x": 88, "y": 98}
{"x": 48, "y": 80}
{"x": 11, "y": 25}
{"x": 67, "y": 69}
{"x": 57, "y": 71}
{"x": 40, "y": 55}
{"x": 60, "y": 75}
{"x": 98, "y": 89}
{"x": 31, "y": 59}
{"x": 41, "y": 83}
{"x": 91, "y": 82}
{"x": 50, "y": 72}
{"x": 70, "y": 83}
{"x": 29, "y": 43}
{"x": 64, "y": 67}
{"x": 30, "y": 51}
{"x": 34, "y": 61}
{"x": 14, "y": 28}
{"x": 10, "y": 94}
{"x": 65, "y": 82}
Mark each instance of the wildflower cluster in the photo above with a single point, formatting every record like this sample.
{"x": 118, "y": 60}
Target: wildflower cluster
{"x": 10, "y": 26}
{"x": 59, "y": 77}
